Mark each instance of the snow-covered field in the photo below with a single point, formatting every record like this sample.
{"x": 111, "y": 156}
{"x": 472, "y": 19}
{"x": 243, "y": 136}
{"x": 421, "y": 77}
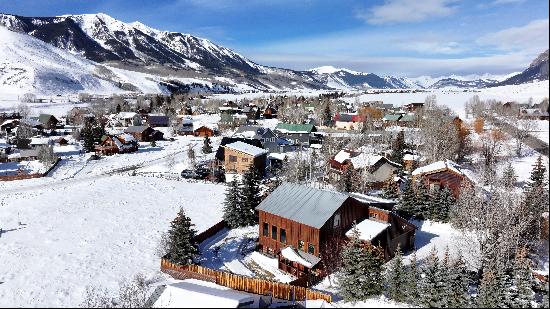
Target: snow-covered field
{"x": 91, "y": 223}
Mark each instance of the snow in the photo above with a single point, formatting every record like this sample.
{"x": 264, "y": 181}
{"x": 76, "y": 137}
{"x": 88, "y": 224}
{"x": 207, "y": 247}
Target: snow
{"x": 365, "y": 160}
{"x": 246, "y": 148}
{"x": 369, "y": 229}
{"x": 342, "y": 156}
{"x": 436, "y": 166}
{"x": 293, "y": 256}
{"x": 192, "y": 293}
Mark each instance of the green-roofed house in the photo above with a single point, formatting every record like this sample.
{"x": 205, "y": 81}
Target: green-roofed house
{"x": 407, "y": 120}
{"x": 48, "y": 121}
{"x": 298, "y": 134}
{"x": 391, "y": 119}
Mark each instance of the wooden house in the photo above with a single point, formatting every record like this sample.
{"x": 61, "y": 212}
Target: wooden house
{"x": 204, "y": 131}
{"x": 270, "y": 112}
{"x": 239, "y": 157}
{"x": 348, "y": 121}
{"x": 269, "y": 139}
{"x": 442, "y": 173}
{"x": 48, "y": 121}
{"x": 158, "y": 121}
{"x": 111, "y": 144}
{"x": 298, "y": 134}
{"x": 144, "y": 133}
{"x": 296, "y": 222}
{"x": 220, "y": 152}
{"x": 413, "y": 107}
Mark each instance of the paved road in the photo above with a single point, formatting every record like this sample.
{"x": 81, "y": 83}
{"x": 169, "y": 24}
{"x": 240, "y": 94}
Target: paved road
{"x": 537, "y": 144}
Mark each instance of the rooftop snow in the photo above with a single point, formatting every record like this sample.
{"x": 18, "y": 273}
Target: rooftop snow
{"x": 302, "y": 258}
{"x": 436, "y": 166}
{"x": 342, "y": 156}
{"x": 368, "y": 229}
{"x": 246, "y": 148}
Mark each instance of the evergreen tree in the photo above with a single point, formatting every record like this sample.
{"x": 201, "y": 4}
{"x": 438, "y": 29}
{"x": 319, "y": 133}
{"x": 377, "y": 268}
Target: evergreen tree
{"x": 348, "y": 181}
{"x": 441, "y": 202}
{"x": 231, "y": 207}
{"x": 91, "y": 133}
{"x": 398, "y": 148}
{"x": 391, "y": 189}
{"x": 250, "y": 192}
{"x": 536, "y": 198}
{"x": 520, "y": 293}
{"x": 327, "y": 114}
{"x": 412, "y": 292}
{"x": 509, "y": 177}
{"x": 407, "y": 203}
{"x": 207, "y": 146}
{"x": 445, "y": 284}
{"x": 431, "y": 290}
{"x": 118, "y": 108}
{"x": 423, "y": 201}
{"x": 538, "y": 174}
{"x": 491, "y": 291}
{"x": 396, "y": 278}
{"x": 459, "y": 282}
{"x": 545, "y": 296}
{"x": 153, "y": 143}
{"x": 360, "y": 276}
{"x": 182, "y": 248}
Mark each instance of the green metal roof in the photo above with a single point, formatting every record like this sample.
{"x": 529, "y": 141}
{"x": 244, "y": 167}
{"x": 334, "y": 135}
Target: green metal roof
{"x": 408, "y": 118}
{"x": 295, "y": 127}
{"x": 392, "y": 117}
{"x": 303, "y": 204}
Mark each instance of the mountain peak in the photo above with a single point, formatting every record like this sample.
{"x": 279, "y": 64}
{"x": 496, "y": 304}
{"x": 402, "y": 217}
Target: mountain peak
{"x": 328, "y": 69}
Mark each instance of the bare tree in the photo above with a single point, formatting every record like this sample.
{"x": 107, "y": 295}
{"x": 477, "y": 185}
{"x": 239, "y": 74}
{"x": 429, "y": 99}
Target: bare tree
{"x": 131, "y": 294}
{"x": 521, "y": 132}
{"x": 28, "y": 97}
{"x": 24, "y": 110}
{"x": 331, "y": 252}
{"x": 95, "y": 297}
{"x": 46, "y": 154}
{"x": 191, "y": 155}
{"x": 439, "y": 136}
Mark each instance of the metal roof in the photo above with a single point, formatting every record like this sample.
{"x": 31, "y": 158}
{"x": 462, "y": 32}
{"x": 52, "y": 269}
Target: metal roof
{"x": 136, "y": 129}
{"x": 303, "y": 204}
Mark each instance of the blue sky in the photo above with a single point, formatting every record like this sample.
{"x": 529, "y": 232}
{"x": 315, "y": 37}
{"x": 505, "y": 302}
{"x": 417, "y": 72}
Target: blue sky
{"x": 401, "y": 37}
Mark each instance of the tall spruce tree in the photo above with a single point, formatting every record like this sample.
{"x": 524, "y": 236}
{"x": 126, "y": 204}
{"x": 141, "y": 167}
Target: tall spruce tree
{"x": 232, "y": 205}
{"x": 348, "y": 181}
{"x": 207, "y": 145}
{"x": 391, "y": 189}
{"x": 412, "y": 291}
{"x": 407, "y": 203}
{"x": 536, "y": 198}
{"x": 360, "y": 276}
{"x": 396, "y": 278}
{"x": 545, "y": 303}
{"x": 459, "y": 283}
{"x": 520, "y": 293}
{"x": 431, "y": 290}
{"x": 423, "y": 201}
{"x": 492, "y": 289}
{"x": 250, "y": 192}
{"x": 509, "y": 177}
{"x": 398, "y": 148}
{"x": 441, "y": 202}
{"x": 445, "y": 284}
{"x": 182, "y": 248}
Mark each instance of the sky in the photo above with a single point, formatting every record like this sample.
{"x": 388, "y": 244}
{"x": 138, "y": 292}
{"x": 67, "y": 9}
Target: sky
{"x": 398, "y": 37}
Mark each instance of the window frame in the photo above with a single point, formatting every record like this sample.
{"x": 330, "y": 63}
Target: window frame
{"x": 274, "y": 232}
{"x": 265, "y": 231}
{"x": 311, "y": 246}
{"x": 282, "y": 235}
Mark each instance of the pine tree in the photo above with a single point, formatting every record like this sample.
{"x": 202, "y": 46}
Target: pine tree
{"x": 407, "y": 203}
{"x": 431, "y": 284}
{"x": 233, "y": 200}
{"x": 182, "y": 248}
{"x": 509, "y": 177}
{"x": 492, "y": 289}
{"x": 458, "y": 284}
{"x": 348, "y": 181}
{"x": 538, "y": 174}
{"x": 445, "y": 284}
{"x": 250, "y": 192}
{"x": 391, "y": 189}
{"x": 327, "y": 114}
{"x": 412, "y": 280}
{"x": 398, "y": 148}
{"x": 360, "y": 276}
{"x": 207, "y": 146}
{"x": 545, "y": 296}
{"x": 423, "y": 201}
{"x": 520, "y": 293}
{"x": 396, "y": 278}
{"x": 118, "y": 108}
{"x": 536, "y": 198}
{"x": 441, "y": 202}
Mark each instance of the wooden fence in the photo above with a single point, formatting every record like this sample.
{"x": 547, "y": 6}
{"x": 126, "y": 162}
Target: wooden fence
{"x": 242, "y": 283}
{"x": 30, "y": 176}
{"x": 211, "y": 231}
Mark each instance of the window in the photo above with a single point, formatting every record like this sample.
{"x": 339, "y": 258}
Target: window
{"x": 373, "y": 215}
{"x": 244, "y": 159}
{"x": 266, "y": 230}
{"x": 311, "y": 249}
{"x": 283, "y": 236}
{"x": 232, "y": 158}
{"x": 300, "y": 245}
{"x": 274, "y": 232}
{"x": 336, "y": 220}
{"x": 434, "y": 186}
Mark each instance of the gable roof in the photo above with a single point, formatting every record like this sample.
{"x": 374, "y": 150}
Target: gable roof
{"x": 392, "y": 117}
{"x": 295, "y": 128}
{"x": 158, "y": 119}
{"x": 437, "y": 167}
{"x": 136, "y": 129}
{"x": 247, "y": 148}
{"x": 45, "y": 118}
{"x": 303, "y": 204}
{"x": 220, "y": 153}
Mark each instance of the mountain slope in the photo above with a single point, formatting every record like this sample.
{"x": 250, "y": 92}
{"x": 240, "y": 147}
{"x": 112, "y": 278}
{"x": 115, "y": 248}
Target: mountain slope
{"x": 538, "y": 70}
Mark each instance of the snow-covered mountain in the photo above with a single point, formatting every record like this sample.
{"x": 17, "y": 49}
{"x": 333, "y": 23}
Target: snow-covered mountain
{"x": 537, "y": 71}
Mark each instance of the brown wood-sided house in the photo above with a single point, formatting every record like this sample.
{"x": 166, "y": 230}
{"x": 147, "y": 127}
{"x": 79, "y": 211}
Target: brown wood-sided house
{"x": 297, "y": 222}
{"x": 110, "y": 144}
{"x": 442, "y": 174}
{"x": 204, "y": 131}
{"x": 240, "y": 156}
{"x": 270, "y": 112}
{"x": 144, "y": 133}
{"x": 48, "y": 121}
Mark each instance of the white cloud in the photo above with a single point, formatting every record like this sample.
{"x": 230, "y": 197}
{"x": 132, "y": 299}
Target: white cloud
{"x": 403, "y": 11}
{"x": 529, "y": 38}
{"x": 499, "y": 2}
{"x": 434, "y": 47}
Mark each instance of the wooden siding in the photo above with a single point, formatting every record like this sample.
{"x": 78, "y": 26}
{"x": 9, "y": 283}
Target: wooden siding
{"x": 444, "y": 177}
{"x": 244, "y": 161}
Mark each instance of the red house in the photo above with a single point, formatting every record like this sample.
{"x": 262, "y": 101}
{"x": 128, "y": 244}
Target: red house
{"x": 442, "y": 173}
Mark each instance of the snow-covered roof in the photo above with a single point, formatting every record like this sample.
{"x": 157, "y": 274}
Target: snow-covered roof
{"x": 127, "y": 138}
{"x": 437, "y": 166}
{"x": 300, "y": 257}
{"x": 370, "y": 199}
{"x": 277, "y": 156}
{"x": 342, "y": 156}
{"x": 365, "y": 160}
{"x": 316, "y": 146}
{"x": 192, "y": 293}
{"x": 246, "y": 148}
{"x": 410, "y": 157}
{"x": 368, "y": 229}
{"x": 40, "y": 141}
{"x": 126, "y": 115}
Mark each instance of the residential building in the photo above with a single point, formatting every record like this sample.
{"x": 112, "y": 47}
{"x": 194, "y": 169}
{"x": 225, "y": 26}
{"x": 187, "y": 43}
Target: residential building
{"x": 269, "y": 139}
{"x": 158, "y": 121}
{"x": 348, "y": 121}
{"x": 112, "y": 144}
{"x": 220, "y": 153}
{"x": 144, "y": 133}
{"x": 240, "y": 157}
{"x": 298, "y": 134}
{"x": 443, "y": 173}
{"x": 48, "y": 121}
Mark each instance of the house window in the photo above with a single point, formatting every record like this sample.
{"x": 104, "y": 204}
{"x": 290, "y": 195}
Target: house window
{"x": 336, "y": 220}
{"x": 373, "y": 215}
{"x": 274, "y": 232}
{"x": 266, "y": 230}
{"x": 434, "y": 186}
{"x": 232, "y": 158}
{"x": 244, "y": 159}
{"x": 300, "y": 245}
{"x": 311, "y": 249}
{"x": 283, "y": 236}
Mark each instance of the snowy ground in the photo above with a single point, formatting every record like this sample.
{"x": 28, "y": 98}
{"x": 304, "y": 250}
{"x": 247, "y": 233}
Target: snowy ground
{"x": 91, "y": 223}
{"x": 27, "y": 167}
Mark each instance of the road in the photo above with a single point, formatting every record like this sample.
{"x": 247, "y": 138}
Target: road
{"x": 538, "y": 145}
